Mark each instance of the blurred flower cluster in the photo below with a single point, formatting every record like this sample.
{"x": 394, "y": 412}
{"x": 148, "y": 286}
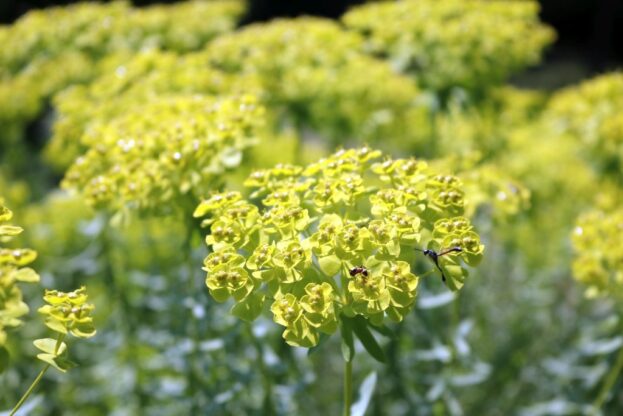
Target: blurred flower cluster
{"x": 336, "y": 237}
{"x": 171, "y": 149}
{"x": 65, "y": 313}
{"x": 123, "y": 88}
{"x": 12, "y": 271}
{"x": 597, "y": 239}
{"x": 592, "y": 113}
{"x": 78, "y": 37}
{"x": 331, "y": 90}
{"x": 152, "y": 110}
{"x": 444, "y": 44}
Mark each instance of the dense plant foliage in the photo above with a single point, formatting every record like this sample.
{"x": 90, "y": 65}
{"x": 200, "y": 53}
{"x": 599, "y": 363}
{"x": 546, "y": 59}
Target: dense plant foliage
{"x": 331, "y": 90}
{"x": 12, "y": 272}
{"x": 343, "y": 216}
{"x": 164, "y": 136}
{"x": 146, "y": 77}
{"x": 597, "y": 264}
{"x": 453, "y": 43}
{"x": 591, "y": 112}
{"x": 170, "y": 149}
{"x": 78, "y": 38}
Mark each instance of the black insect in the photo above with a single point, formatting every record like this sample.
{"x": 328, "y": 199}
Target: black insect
{"x": 434, "y": 256}
{"x": 357, "y": 270}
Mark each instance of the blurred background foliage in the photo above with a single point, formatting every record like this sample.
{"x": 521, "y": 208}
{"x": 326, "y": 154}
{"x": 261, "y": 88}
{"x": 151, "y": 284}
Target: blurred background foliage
{"x": 167, "y": 103}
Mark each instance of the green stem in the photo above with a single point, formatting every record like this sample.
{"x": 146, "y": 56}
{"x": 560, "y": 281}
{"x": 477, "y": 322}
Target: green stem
{"x": 609, "y": 383}
{"x": 192, "y": 328}
{"x": 348, "y": 387}
{"x": 30, "y": 390}
{"x": 26, "y": 395}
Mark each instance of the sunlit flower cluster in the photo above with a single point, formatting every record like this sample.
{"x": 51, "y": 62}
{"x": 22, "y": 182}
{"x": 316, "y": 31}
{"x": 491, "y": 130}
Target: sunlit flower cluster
{"x": 489, "y": 189}
{"x": 125, "y": 87}
{"x": 21, "y": 96}
{"x": 12, "y": 271}
{"x": 314, "y": 75}
{"x": 450, "y": 43}
{"x": 593, "y": 113}
{"x": 597, "y": 240}
{"x": 75, "y": 38}
{"x": 167, "y": 150}
{"x": 68, "y": 312}
{"x": 65, "y": 313}
{"x": 337, "y": 237}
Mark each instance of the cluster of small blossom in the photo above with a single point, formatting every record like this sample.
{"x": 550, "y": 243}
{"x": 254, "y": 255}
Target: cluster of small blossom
{"x": 450, "y": 43}
{"x": 77, "y": 37}
{"x": 333, "y": 90}
{"x": 167, "y": 150}
{"x": 597, "y": 241}
{"x": 337, "y": 237}
{"x": 593, "y": 113}
{"x": 12, "y": 271}
{"x": 123, "y": 88}
{"x": 65, "y": 313}
{"x": 68, "y": 312}
{"x": 21, "y": 96}
{"x": 488, "y": 187}
{"x": 483, "y": 131}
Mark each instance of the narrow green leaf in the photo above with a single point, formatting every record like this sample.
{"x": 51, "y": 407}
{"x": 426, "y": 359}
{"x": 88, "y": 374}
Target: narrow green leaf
{"x": 383, "y": 330}
{"x": 360, "y": 326}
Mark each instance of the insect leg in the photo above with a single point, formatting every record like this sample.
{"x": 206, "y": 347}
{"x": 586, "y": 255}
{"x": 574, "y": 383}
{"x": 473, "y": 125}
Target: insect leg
{"x": 443, "y": 276}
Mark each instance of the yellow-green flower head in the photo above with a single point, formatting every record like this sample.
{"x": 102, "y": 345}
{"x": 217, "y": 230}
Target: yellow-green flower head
{"x": 69, "y": 312}
{"x": 446, "y": 44}
{"x": 126, "y": 84}
{"x": 593, "y": 113}
{"x": 167, "y": 150}
{"x": 597, "y": 240}
{"x": 317, "y": 252}
{"x": 334, "y": 90}
{"x": 79, "y": 37}
{"x": 12, "y": 270}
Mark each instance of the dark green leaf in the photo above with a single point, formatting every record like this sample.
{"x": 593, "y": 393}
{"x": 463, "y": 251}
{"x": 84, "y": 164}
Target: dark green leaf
{"x": 383, "y": 330}
{"x": 360, "y": 326}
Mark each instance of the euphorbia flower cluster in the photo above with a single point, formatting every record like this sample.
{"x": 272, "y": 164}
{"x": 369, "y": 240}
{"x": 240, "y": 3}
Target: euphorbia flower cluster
{"x": 336, "y": 238}
{"x": 12, "y": 270}
{"x": 170, "y": 149}
{"x": 591, "y": 113}
{"x": 65, "y": 313}
{"x": 80, "y": 39}
{"x": 596, "y": 239}
{"x": 446, "y": 44}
